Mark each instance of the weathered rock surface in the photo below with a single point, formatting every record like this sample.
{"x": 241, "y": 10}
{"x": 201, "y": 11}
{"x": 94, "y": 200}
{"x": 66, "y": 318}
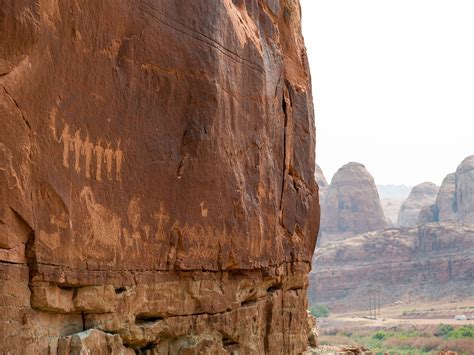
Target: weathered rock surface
{"x": 446, "y": 205}
{"x": 351, "y": 203}
{"x": 422, "y": 195}
{"x": 157, "y": 184}
{"x": 465, "y": 191}
{"x": 320, "y": 178}
{"x": 455, "y": 199}
{"x": 432, "y": 261}
{"x": 391, "y": 208}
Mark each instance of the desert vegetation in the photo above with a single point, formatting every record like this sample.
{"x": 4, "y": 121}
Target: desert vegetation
{"x": 319, "y": 311}
{"x": 430, "y": 340}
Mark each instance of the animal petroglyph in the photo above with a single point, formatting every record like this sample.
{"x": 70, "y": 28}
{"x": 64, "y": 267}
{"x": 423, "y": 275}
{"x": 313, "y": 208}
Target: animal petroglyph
{"x": 86, "y": 151}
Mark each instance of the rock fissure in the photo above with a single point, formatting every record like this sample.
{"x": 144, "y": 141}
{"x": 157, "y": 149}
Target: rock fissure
{"x": 206, "y": 39}
{"x": 18, "y": 107}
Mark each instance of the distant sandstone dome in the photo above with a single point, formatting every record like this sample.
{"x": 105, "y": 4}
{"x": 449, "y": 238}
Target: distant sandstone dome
{"x": 351, "y": 203}
{"x": 455, "y": 201}
{"x": 320, "y": 178}
{"x": 421, "y": 197}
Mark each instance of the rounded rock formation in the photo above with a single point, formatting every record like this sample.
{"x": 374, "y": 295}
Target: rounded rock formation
{"x": 465, "y": 191}
{"x": 320, "y": 178}
{"x": 455, "y": 200}
{"x": 421, "y": 196}
{"x": 351, "y": 203}
{"x": 446, "y": 200}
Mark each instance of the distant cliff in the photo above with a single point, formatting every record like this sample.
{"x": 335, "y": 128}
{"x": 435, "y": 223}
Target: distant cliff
{"x": 452, "y": 202}
{"x": 432, "y": 261}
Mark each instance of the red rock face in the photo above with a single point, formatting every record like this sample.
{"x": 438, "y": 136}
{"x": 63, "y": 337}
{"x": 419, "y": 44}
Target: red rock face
{"x": 157, "y": 175}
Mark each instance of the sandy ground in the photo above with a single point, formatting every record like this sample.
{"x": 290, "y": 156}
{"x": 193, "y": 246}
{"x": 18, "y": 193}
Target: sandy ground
{"x": 388, "y": 322}
{"x": 411, "y": 314}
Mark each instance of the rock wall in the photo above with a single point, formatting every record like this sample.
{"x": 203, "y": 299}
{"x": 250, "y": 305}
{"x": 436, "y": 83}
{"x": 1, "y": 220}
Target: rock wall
{"x": 157, "y": 184}
{"x": 351, "y": 204}
{"x": 464, "y": 206}
{"x": 455, "y": 201}
{"x": 429, "y": 262}
{"x": 446, "y": 205}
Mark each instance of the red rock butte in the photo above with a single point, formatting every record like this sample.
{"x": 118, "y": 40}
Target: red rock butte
{"x": 157, "y": 177}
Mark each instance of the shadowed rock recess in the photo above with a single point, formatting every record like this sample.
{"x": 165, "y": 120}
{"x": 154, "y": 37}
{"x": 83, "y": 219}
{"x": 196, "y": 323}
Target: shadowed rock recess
{"x": 157, "y": 189}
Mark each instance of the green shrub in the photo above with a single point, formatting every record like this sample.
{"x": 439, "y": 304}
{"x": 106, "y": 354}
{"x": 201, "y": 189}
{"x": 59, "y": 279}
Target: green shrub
{"x": 466, "y": 331}
{"x": 319, "y": 311}
{"x": 444, "y": 330}
{"x": 380, "y": 335}
{"x": 448, "y": 331}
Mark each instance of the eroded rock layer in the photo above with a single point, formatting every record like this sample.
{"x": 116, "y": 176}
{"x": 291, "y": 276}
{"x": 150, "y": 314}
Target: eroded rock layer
{"x": 433, "y": 261}
{"x": 157, "y": 177}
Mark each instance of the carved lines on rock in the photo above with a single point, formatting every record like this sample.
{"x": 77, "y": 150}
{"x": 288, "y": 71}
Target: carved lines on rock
{"x": 87, "y": 155}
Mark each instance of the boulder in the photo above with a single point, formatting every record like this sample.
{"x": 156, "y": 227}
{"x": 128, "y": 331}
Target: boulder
{"x": 92, "y": 341}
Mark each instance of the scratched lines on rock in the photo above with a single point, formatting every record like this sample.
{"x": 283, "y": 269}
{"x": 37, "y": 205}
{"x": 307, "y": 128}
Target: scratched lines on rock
{"x": 91, "y": 158}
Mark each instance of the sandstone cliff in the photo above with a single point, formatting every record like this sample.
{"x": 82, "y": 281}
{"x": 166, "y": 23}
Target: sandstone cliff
{"x": 433, "y": 261}
{"x": 157, "y": 177}
{"x": 446, "y": 205}
{"x": 421, "y": 196}
{"x": 455, "y": 201}
{"x": 351, "y": 204}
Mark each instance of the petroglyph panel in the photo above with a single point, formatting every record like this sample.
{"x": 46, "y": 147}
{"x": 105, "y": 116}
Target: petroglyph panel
{"x": 91, "y": 159}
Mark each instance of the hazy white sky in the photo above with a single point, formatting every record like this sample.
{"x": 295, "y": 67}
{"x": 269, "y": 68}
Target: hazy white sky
{"x": 393, "y": 85}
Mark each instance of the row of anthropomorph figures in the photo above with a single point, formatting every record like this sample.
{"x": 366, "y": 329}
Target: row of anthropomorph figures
{"x": 88, "y": 155}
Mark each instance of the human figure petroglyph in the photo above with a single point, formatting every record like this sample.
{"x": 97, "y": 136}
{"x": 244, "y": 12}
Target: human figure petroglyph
{"x": 77, "y": 150}
{"x": 119, "y": 159}
{"x": 108, "y": 159}
{"x": 66, "y": 139}
{"x": 99, "y": 152}
{"x": 87, "y": 150}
